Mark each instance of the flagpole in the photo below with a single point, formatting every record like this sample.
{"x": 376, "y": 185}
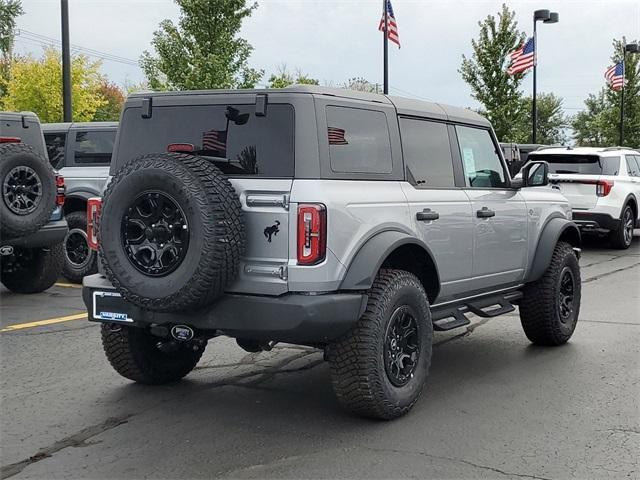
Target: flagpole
{"x": 624, "y": 54}
{"x": 385, "y": 49}
{"x": 534, "y": 109}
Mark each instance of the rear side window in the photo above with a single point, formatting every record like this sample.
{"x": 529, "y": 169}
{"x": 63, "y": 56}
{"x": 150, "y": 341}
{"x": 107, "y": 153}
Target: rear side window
{"x": 94, "y": 147}
{"x": 358, "y": 140}
{"x": 580, "y": 164}
{"x": 55, "y": 148}
{"x": 482, "y": 165}
{"x": 427, "y": 153}
{"x": 633, "y": 165}
{"x": 231, "y": 136}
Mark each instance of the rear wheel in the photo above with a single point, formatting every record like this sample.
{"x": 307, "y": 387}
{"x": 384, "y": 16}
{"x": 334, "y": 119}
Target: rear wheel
{"x": 32, "y": 270}
{"x": 79, "y": 259}
{"x": 550, "y": 306}
{"x": 623, "y": 236}
{"x": 380, "y": 367}
{"x": 135, "y": 354}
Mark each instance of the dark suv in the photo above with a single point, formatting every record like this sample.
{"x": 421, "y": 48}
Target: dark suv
{"x": 31, "y": 216}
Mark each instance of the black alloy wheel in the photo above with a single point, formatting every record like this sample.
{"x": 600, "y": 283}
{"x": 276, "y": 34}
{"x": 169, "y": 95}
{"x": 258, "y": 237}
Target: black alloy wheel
{"x": 76, "y": 248}
{"x": 22, "y": 190}
{"x": 402, "y": 346}
{"x": 566, "y": 294}
{"x": 155, "y": 233}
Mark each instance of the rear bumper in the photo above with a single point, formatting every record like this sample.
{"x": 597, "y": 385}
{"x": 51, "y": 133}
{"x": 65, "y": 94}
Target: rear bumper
{"x": 589, "y": 221}
{"x": 294, "y": 318}
{"x": 51, "y": 234}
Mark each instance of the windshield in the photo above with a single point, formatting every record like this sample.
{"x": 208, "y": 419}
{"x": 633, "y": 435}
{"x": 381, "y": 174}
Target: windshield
{"x": 580, "y": 164}
{"x": 233, "y": 136}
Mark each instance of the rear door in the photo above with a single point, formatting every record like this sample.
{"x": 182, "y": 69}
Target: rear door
{"x": 255, "y": 151}
{"x": 440, "y": 211}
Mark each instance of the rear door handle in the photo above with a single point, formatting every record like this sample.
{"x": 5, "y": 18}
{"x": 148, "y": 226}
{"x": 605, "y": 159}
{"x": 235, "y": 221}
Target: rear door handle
{"x": 427, "y": 214}
{"x": 485, "y": 213}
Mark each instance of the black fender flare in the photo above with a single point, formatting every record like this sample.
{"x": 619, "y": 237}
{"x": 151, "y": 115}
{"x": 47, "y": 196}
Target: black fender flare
{"x": 549, "y": 237}
{"x": 367, "y": 261}
{"x": 631, "y": 198}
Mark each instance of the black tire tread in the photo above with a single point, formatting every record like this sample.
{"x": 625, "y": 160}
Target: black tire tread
{"x": 538, "y": 311}
{"x": 38, "y": 276}
{"x": 353, "y": 358}
{"x": 616, "y": 237}
{"x": 130, "y": 354}
{"x": 219, "y": 260}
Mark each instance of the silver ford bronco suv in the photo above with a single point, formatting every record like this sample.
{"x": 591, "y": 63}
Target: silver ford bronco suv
{"x": 352, "y": 222}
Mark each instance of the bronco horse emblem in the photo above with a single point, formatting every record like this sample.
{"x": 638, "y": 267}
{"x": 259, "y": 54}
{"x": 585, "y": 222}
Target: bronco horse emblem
{"x": 272, "y": 230}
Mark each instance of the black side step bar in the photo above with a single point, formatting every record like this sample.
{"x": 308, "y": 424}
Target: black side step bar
{"x": 453, "y": 316}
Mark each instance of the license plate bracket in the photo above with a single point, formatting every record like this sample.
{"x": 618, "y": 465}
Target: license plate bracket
{"x": 109, "y": 306}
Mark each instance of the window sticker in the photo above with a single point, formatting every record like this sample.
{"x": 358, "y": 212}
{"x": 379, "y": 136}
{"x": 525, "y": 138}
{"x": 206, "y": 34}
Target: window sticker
{"x": 469, "y": 162}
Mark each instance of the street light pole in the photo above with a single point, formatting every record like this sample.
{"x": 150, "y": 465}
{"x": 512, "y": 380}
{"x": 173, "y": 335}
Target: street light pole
{"x": 547, "y": 17}
{"x": 66, "y": 62}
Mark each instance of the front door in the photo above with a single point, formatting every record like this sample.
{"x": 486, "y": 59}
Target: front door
{"x": 499, "y": 212}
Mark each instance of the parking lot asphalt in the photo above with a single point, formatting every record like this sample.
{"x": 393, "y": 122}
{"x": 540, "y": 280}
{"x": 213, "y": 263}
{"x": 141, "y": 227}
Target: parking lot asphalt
{"x": 494, "y": 407}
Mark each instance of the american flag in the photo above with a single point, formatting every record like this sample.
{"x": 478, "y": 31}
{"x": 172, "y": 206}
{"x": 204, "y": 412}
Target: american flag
{"x": 336, "y": 136}
{"x": 615, "y": 76}
{"x": 523, "y": 58}
{"x": 215, "y": 140}
{"x": 392, "y": 31}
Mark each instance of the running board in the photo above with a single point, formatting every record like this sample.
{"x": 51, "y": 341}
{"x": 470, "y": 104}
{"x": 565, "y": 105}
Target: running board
{"x": 454, "y": 316}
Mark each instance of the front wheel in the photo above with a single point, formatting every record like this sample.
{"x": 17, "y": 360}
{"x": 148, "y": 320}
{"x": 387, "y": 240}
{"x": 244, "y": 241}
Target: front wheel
{"x": 622, "y": 237}
{"x": 550, "y": 306}
{"x": 379, "y": 368}
{"x": 32, "y": 270}
{"x": 135, "y": 354}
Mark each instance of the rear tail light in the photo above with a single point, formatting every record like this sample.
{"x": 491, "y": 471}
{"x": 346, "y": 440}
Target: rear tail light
{"x": 603, "y": 187}
{"x": 10, "y": 140}
{"x": 312, "y": 233}
{"x": 60, "y": 190}
{"x": 94, "y": 206}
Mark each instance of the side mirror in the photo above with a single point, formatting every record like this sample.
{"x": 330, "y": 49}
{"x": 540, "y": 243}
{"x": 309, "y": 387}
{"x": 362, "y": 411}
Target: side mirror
{"x": 535, "y": 174}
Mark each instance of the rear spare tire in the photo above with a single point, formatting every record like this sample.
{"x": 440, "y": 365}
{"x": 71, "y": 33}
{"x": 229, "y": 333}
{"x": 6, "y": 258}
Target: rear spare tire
{"x": 28, "y": 192}
{"x": 32, "y": 270}
{"x": 171, "y": 232}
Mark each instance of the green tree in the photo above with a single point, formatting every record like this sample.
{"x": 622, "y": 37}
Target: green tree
{"x": 35, "y": 85}
{"x": 485, "y": 73}
{"x": 9, "y": 11}
{"x": 114, "y": 97}
{"x": 552, "y": 122}
{"x": 599, "y": 123}
{"x": 284, "y": 78}
{"x": 204, "y": 50}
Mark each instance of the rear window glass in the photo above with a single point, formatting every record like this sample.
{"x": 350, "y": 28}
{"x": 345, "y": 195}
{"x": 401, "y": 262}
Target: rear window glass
{"x": 55, "y": 148}
{"x": 580, "y": 164}
{"x": 232, "y": 136}
{"x": 94, "y": 147}
{"x": 358, "y": 140}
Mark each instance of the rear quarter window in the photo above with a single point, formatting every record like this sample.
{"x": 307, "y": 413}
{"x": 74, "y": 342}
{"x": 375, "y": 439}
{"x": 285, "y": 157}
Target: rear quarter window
{"x": 93, "y": 147}
{"x": 358, "y": 140}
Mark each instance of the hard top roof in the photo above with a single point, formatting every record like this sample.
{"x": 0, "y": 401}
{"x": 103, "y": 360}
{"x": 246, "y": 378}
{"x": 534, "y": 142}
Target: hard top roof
{"x": 404, "y": 106}
{"x": 65, "y": 126}
{"x": 17, "y": 115}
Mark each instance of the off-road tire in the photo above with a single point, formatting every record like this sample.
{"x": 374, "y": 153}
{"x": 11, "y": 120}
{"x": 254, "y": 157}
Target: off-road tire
{"x": 73, "y": 272}
{"x": 540, "y": 306}
{"x": 358, "y": 372}
{"x": 36, "y": 270}
{"x": 216, "y": 233}
{"x": 133, "y": 353}
{"x": 12, "y": 224}
{"x": 620, "y": 238}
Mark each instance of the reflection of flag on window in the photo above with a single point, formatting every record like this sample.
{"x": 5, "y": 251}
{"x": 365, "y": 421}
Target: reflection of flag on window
{"x": 215, "y": 140}
{"x": 336, "y": 136}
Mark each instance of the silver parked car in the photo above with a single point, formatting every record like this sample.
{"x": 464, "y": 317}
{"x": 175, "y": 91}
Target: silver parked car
{"x": 353, "y": 222}
{"x": 82, "y": 154}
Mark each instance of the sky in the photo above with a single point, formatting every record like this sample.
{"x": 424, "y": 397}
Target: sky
{"x": 334, "y": 40}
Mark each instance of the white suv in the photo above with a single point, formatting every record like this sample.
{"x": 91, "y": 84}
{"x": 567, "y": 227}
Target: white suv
{"x": 602, "y": 185}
